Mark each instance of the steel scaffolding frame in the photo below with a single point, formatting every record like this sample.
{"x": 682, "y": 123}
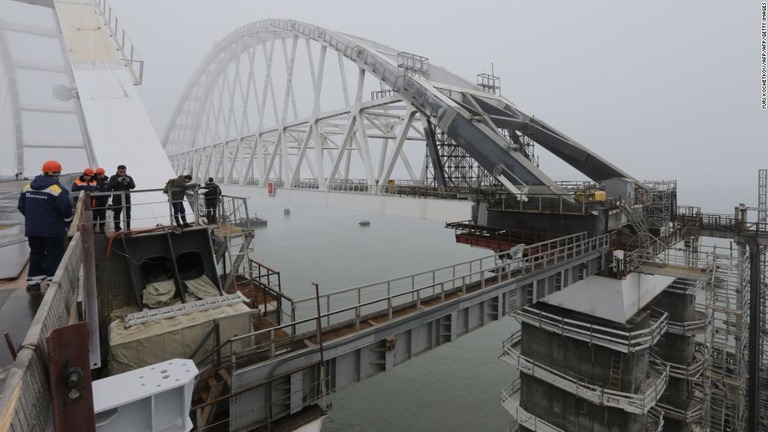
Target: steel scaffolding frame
{"x": 658, "y": 209}
{"x": 460, "y": 169}
{"x": 762, "y": 204}
{"x": 728, "y": 301}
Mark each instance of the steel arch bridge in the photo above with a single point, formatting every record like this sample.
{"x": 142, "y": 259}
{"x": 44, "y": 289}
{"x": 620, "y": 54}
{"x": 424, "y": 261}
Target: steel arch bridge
{"x": 26, "y": 75}
{"x": 295, "y": 104}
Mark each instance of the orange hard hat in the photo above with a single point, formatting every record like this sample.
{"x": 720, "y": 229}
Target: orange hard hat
{"x": 88, "y": 171}
{"x": 100, "y": 170}
{"x": 51, "y": 167}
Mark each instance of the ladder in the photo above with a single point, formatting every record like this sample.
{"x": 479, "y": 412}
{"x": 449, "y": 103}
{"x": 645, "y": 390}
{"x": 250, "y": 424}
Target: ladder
{"x": 614, "y": 381}
{"x": 234, "y": 248}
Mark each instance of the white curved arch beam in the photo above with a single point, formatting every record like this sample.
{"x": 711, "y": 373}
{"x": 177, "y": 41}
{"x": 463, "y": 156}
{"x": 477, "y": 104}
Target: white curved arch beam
{"x": 9, "y": 72}
{"x": 469, "y": 117}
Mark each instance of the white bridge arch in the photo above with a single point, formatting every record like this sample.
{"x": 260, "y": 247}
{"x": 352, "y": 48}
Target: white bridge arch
{"x": 270, "y": 104}
{"x": 40, "y": 115}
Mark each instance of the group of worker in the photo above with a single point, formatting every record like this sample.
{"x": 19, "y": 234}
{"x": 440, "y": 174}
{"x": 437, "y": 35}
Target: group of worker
{"x": 48, "y": 212}
{"x": 96, "y": 181}
{"x": 181, "y": 186}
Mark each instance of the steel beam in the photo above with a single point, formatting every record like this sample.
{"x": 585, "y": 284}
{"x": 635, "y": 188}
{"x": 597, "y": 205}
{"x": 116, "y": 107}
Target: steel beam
{"x": 401, "y": 339}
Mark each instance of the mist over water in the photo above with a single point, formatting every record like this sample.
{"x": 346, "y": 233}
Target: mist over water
{"x": 453, "y": 388}
{"x": 329, "y": 247}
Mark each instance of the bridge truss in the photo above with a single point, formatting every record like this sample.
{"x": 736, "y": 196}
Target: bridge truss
{"x": 302, "y": 106}
{"x": 36, "y": 87}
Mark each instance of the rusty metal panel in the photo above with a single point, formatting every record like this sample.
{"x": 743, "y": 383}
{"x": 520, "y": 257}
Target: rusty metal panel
{"x": 70, "y": 378}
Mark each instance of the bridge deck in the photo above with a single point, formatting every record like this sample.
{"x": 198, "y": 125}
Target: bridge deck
{"x": 386, "y": 324}
{"x": 725, "y": 226}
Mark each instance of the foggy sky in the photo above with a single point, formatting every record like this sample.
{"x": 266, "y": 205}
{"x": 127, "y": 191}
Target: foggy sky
{"x": 663, "y": 90}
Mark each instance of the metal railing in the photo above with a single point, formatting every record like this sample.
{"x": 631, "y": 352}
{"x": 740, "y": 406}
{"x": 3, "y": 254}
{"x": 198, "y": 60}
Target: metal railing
{"x": 153, "y": 197}
{"x": 234, "y": 210}
{"x": 693, "y": 413}
{"x": 636, "y": 403}
{"x": 654, "y": 421}
{"x": 423, "y": 286}
{"x": 696, "y": 325}
{"x": 355, "y": 306}
{"x": 231, "y": 209}
{"x": 688, "y": 372}
{"x": 124, "y": 44}
{"x": 742, "y": 221}
{"x": 23, "y": 402}
{"x": 610, "y": 338}
{"x": 539, "y": 203}
{"x": 510, "y": 399}
{"x": 269, "y": 280}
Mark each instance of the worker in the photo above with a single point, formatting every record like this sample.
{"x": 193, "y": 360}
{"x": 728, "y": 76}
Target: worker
{"x": 123, "y": 183}
{"x": 47, "y": 214}
{"x": 212, "y": 197}
{"x": 84, "y": 183}
{"x": 100, "y": 201}
{"x": 176, "y": 189}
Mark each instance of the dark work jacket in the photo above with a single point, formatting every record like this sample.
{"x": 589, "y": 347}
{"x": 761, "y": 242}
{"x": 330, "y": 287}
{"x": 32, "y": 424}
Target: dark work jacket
{"x": 46, "y": 208}
{"x": 82, "y": 185}
{"x": 212, "y": 193}
{"x": 178, "y": 187}
{"x": 101, "y": 186}
{"x": 115, "y": 184}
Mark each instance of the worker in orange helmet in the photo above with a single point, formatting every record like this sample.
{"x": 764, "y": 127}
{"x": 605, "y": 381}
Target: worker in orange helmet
{"x": 100, "y": 201}
{"x": 47, "y": 214}
{"x": 84, "y": 183}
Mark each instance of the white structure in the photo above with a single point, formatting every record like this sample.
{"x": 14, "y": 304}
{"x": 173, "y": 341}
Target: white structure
{"x": 153, "y": 398}
{"x": 86, "y": 68}
{"x": 301, "y": 106}
{"x": 36, "y": 88}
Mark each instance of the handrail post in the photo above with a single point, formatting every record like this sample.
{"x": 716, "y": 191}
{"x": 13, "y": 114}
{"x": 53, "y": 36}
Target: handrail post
{"x": 272, "y": 342}
{"x": 327, "y": 306}
{"x": 320, "y": 342}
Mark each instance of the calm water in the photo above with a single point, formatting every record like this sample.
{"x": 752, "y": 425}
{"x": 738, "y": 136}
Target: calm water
{"x": 453, "y": 388}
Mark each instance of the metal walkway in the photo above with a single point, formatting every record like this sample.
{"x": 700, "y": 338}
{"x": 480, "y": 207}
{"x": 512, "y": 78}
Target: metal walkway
{"x": 371, "y": 329}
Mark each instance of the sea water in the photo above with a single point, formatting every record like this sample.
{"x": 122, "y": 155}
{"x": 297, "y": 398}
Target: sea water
{"x": 455, "y": 387}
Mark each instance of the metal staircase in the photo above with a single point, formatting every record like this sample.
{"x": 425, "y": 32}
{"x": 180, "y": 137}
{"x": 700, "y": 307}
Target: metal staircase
{"x": 650, "y": 246}
{"x": 233, "y": 237}
{"x": 233, "y": 251}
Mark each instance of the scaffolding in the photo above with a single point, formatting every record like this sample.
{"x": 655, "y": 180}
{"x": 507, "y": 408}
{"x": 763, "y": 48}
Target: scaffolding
{"x": 460, "y": 169}
{"x": 412, "y": 64}
{"x": 728, "y": 301}
{"x": 715, "y": 273}
{"x": 762, "y": 204}
{"x": 660, "y": 198}
{"x": 526, "y": 145}
{"x": 489, "y": 83}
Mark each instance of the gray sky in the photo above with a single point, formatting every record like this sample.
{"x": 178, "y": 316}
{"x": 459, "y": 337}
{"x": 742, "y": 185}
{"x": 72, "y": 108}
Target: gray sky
{"x": 664, "y": 90}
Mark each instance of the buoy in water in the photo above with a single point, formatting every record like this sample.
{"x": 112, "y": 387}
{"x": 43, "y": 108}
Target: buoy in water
{"x": 287, "y": 212}
{"x": 364, "y": 223}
